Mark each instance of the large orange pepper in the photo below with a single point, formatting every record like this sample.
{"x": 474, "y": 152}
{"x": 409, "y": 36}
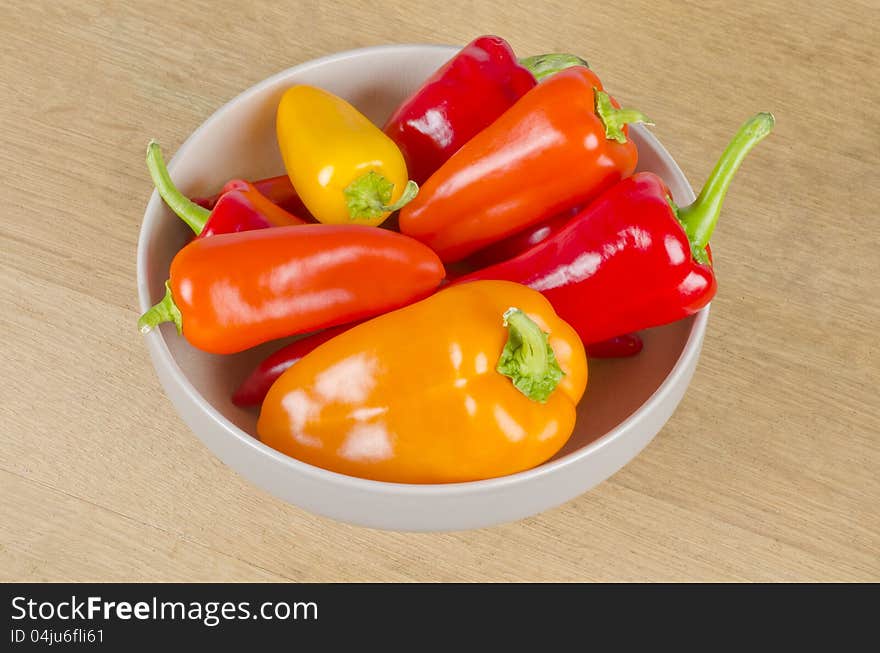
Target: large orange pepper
{"x": 477, "y": 381}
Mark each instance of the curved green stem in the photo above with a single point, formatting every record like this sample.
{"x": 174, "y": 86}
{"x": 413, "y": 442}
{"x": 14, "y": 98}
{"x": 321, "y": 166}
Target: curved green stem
{"x": 699, "y": 219}
{"x": 528, "y": 358}
{"x": 164, "y": 311}
{"x": 191, "y": 213}
{"x": 367, "y": 196}
{"x": 544, "y": 65}
{"x": 409, "y": 194}
{"x": 614, "y": 119}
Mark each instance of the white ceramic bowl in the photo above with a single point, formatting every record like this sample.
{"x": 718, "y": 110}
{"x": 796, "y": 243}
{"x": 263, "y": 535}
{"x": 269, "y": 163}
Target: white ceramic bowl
{"x": 626, "y": 403}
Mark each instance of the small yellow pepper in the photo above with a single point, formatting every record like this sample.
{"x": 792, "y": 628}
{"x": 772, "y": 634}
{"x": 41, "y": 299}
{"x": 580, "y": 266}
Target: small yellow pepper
{"x": 344, "y": 168}
{"x": 461, "y": 386}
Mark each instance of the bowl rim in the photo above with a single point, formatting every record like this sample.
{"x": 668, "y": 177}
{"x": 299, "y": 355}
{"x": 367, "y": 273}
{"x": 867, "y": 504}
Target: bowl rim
{"x": 160, "y": 349}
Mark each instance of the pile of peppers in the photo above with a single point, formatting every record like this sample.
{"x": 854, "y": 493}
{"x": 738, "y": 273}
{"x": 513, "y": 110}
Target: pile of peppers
{"x": 451, "y": 343}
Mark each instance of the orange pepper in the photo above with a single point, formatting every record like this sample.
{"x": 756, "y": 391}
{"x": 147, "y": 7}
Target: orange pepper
{"x": 477, "y": 381}
{"x": 231, "y": 292}
{"x": 558, "y": 147}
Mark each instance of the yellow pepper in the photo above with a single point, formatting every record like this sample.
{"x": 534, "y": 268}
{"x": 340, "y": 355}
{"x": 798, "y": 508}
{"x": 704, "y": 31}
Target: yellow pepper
{"x": 344, "y": 168}
{"x": 461, "y": 386}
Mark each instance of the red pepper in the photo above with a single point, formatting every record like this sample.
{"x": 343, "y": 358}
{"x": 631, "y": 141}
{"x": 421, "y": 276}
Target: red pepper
{"x": 558, "y": 147}
{"x": 520, "y": 242}
{"x": 234, "y": 291}
{"x": 462, "y": 98}
{"x": 632, "y": 259}
{"x": 241, "y": 207}
{"x": 623, "y": 346}
{"x": 278, "y": 190}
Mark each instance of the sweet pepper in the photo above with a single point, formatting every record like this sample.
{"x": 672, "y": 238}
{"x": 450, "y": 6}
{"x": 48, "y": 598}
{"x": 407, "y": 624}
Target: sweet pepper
{"x": 240, "y": 207}
{"x": 463, "y": 97}
{"x": 343, "y": 167}
{"x": 234, "y": 291}
{"x": 633, "y": 259}
{"x": 558, "y": 147}
{"x": 419, "y": 396}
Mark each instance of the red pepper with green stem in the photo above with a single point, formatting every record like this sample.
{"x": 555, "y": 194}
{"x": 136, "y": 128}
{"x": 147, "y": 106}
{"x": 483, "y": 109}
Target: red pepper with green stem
{"x": 559, "y": 146}
{"x": 463, "y": 97}
{"x": 241, "y": 207}
{"x": 622, "y": 346}
{"x": 632, "y": 259}
{"x": 515, "y": 245}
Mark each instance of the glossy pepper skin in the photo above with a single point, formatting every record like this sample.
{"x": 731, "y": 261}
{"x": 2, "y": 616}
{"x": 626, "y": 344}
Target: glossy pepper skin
{"x": 521, "y": 241}
{"x": 278, "y": 190}
{"x": 461, "y": 99}
{"x": 416, "y": 397}
{"x": 241, "y": 207}
{"x": 515, "y": 245}
{"x": 632, "y": 259}
{"x": 343, "y": 167}
{"x": 558, "y": 147}
{"x": 253, "y": 389}
{"x": 621, "y": 346}
{"x": 234, "y": 291}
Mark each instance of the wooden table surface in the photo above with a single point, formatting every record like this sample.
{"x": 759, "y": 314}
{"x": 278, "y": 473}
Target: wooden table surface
{"x": 768, "y": 471}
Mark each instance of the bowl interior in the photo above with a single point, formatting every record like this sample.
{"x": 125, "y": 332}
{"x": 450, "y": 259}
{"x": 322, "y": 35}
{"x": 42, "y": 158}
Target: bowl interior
{"x": 239, "y": 141}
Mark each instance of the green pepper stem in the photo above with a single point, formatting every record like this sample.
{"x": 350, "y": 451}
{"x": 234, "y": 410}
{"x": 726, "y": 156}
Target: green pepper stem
{"x": 699, "y": 219}
{"x": 191, "y": 213}
{"x": 163, "y": 311}
{"x": 409, "y": 194}
{"x": 527, "y": 357}
{"x": 544, "y": 65}
{"x": 367, "y": 196}
{"x": 614, "y": 119}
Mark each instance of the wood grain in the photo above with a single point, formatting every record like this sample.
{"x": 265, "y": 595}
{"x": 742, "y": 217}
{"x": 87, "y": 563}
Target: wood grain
{"x": 767, "y": 471}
